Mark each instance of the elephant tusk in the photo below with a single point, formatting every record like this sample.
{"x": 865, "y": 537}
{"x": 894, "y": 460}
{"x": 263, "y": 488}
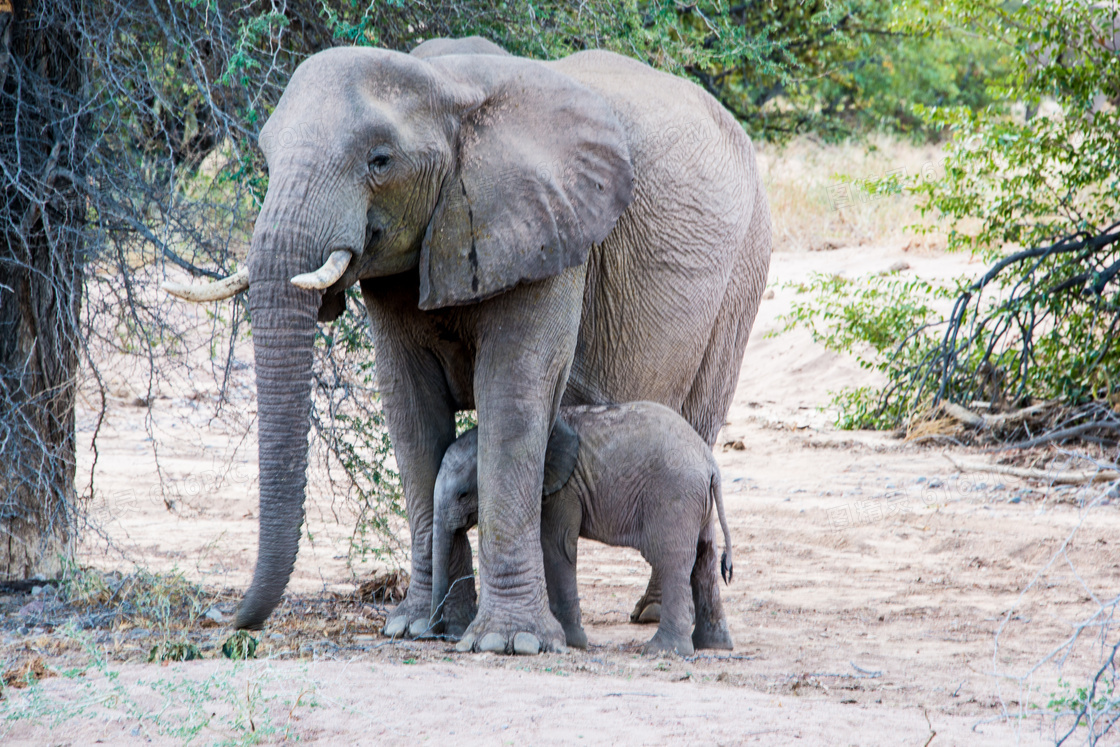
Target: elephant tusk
{"x": 327, "y": 275}
{"x": 215, "y": 291}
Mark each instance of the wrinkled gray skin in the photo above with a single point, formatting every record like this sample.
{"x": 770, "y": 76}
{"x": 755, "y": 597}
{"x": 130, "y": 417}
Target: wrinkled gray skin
{"x": 523, "y": 232}
{"x": 634, "y": 475}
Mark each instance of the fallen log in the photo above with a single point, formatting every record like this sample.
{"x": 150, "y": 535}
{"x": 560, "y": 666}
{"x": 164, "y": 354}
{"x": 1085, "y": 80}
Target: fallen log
{"x": 967, "y": 417}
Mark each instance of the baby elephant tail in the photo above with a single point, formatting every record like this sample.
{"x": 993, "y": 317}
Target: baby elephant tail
{"x": 726, "y": 567}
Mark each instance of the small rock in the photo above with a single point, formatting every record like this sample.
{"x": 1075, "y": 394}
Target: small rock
{"x": 276, "y": 636}
{"x": 899, "y": 266}
{"x": 920, "y": 479}
{"x": 215, "y": 614}
{"x": 31, "y": 608}
{"x": 1014, "y": 499}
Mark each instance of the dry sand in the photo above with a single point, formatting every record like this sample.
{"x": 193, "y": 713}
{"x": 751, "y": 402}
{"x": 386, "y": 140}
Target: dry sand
{"x": 871, "y": 580}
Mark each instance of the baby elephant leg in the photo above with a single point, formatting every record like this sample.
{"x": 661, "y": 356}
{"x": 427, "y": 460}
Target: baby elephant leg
{"x": 711, "y": 624}
{"x": 560, "y": 522}
{"x": 672, "y": 634}
{"x": 648, "y": 608}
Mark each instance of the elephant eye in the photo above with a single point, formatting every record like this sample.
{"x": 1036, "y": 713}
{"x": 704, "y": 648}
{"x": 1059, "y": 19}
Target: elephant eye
{"x": 379, "y": 162}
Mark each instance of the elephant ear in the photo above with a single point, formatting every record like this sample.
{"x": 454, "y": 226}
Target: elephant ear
{"x": 541, "y": 173}
{"x": 560, "y": 456}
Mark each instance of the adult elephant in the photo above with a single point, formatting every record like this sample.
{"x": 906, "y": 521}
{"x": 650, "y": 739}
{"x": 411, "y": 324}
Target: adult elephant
{"x": 587, "y": 230}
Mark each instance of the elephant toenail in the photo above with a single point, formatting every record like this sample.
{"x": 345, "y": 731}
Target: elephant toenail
{"x": 465, "y": 644}
{"x": 395, "y": 627}
{"x": 526, "y": 644}
{"x": 418, "y": 628}
{"x": 650, "y": 614}
{"x": 495, "y": 642}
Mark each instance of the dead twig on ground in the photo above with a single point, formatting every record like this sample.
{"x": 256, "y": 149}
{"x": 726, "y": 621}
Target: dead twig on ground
{"x": 1055, "y": 478}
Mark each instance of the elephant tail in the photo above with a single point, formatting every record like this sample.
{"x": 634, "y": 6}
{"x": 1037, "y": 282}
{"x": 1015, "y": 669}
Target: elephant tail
{"x": 726, "y": 566}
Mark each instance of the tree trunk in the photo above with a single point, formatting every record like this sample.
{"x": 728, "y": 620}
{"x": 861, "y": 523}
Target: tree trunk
{"x": 42, "y": 218}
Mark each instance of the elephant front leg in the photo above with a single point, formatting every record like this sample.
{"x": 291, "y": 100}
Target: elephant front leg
{"x": 420, "y": 418}
{"x": 524, "y": 354}
{"x": 513, "y": 614}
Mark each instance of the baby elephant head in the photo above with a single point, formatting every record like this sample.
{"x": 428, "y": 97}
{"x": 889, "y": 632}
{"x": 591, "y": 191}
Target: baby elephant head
{"x": 456, "y": 510}
{"x": 456, "y": 491}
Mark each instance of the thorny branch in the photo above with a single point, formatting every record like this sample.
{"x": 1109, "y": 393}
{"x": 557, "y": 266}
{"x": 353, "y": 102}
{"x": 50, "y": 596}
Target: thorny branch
{"x": 1047, "y": 332}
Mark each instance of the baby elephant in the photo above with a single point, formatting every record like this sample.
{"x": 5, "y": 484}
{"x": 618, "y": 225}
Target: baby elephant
{"x": 633, "y": 475}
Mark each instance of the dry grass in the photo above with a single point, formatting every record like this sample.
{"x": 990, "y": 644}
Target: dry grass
{"x": 145, "y": 616}
{"x": 819, "y": 202}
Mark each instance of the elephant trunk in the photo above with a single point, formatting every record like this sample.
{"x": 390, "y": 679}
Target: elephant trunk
{"x": 442, "y": 537}
{"x": 283, "y": 319}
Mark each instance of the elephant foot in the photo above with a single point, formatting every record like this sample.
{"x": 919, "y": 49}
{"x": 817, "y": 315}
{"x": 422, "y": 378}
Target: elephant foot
{"x": 648, "y": 608}
{"x": 410, "y": 619}
{"x": 666, "y": 642}
{"x": 646, "y": 613}
{"x": 524, "y": 634}
{"x": 576, "y": 637}
{"x": 454, "y": 629}
{"x": 712, "y": 636}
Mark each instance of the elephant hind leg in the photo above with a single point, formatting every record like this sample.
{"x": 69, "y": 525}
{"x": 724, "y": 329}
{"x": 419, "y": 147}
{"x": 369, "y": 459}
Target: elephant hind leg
{"x": 711, "y": 624}
{"x": 648, "y": 608}
{"x": 676, "y": 609}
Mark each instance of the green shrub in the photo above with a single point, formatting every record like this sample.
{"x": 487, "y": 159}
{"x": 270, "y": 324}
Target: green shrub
{"x": 1039, "y": 197}
{"x": 885, "y": 321}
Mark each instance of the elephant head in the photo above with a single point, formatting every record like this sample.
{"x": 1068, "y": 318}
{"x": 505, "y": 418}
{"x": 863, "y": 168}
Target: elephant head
{"x": 456, "y": 497}
{"x": 465, "y": 174}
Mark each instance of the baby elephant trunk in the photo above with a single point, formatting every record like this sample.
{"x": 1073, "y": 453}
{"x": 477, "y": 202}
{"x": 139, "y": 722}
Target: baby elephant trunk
{"x": 441, "y": 561}
{"x": 726, "y": 566}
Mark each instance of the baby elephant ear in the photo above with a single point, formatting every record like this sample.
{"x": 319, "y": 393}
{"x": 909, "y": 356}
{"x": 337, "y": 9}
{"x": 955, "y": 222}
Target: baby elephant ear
{"x": 560, "y": 456}
{"x": 541, "y": 172}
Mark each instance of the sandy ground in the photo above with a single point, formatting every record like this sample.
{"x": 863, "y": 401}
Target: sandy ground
{"x": 871, "y": 582}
